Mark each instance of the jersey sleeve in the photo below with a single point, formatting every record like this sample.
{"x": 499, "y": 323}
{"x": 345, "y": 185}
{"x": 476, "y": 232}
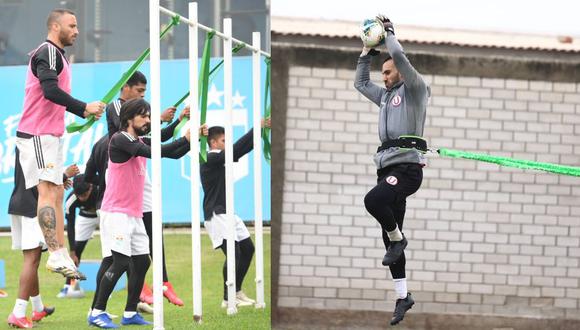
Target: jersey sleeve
{"x": 46, "y": 65}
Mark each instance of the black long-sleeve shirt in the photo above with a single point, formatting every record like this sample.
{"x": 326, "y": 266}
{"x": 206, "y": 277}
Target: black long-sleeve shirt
{"x": 97, "y": 166}
{"x": 48, "y": 77}
{"x": 213, "y": 176}
{"x": 99, "y": 160}
{"x": 87, "y": 209}
{"x": 113, "y": 111}
{"x": 124, "y": 146}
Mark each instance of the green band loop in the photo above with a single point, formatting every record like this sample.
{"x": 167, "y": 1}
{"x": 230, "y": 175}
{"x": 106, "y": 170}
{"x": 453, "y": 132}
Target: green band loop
{"x": 77, "y": 127}
{"x": 267, "y": 148}
{"x": 511, "y": 162}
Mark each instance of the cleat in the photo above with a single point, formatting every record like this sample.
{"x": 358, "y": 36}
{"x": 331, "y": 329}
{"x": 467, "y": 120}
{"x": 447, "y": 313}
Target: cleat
{"x": 62, "y": 293}
{"x": 170, "y": 294}
{"x": 80, "y": 276}
{"x": 146, "y": 294}
{"x": 102, "y": 321}
{"x": 394, "y": 251}
{"x": 144, "y": 308}
{"x": 136, "y": 319}
{"x": 37, "y": 316}
{"x": 75, "y": 291}
{"x": 242, "y": 296}
{"x": 21, "y": 323}
{"x": 401, "y": 307}
{"x": 239, "y": 303}
{"x": 56, "y": 263}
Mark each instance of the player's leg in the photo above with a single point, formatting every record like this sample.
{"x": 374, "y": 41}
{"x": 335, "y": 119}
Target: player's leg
{"x": 120, "y": 227}
{"x": 140, "y": 261}
{"x": 146, "y": 295}
{"x": 105, "y": 264}
{"x": 58, "y": 261}
{"x": 98, "y": 316}
{"x": 224, "y": 248}
{"x": 136, "y": 277}
{"x": 32, "y": 261}
{"x": 27, "y": 285}
{"x": 27, "y": 236}
{"x": 404, "y": 300}
{"x": 47, "y": 214}
{"x": 246, "y": 248}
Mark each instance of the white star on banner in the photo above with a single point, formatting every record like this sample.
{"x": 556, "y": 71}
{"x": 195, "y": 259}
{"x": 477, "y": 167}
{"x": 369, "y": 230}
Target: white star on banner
{"x": 214, "y": 96}
{"x": 238, "y": 100}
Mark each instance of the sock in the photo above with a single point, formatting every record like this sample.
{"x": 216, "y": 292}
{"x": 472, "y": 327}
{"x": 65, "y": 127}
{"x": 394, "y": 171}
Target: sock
{"x": 96, "y": 312}
{"x": 63, "y": 251}
{"x": 395, "y": 235}
{"x": 128, "y": 315}
{"x": 401, "y": 287}
{"x": 37, "y": 305}
{"x": 20, "y": 308}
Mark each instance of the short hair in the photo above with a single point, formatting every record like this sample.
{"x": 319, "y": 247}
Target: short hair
{"x": 55, "y": 14}
{"x": 80, "y": 186}
{"x": 387, "y": 58}
{"x": 136, "y": 78}
{"x": 214, "y": 132}
{"x": 131, "y": 109}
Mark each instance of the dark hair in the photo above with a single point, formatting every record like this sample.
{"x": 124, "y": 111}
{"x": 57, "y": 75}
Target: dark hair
{"x": 80, "y": 186}
{"x": 131, "y": 109}
{"x": 55, "y": 14}
{"x": 387, "y": 58}
{"x": 214, "y": 132}
{"x": 136, "y": 78}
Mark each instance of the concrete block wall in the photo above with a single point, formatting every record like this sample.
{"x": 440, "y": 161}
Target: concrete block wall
{"x": 483, "y": 239}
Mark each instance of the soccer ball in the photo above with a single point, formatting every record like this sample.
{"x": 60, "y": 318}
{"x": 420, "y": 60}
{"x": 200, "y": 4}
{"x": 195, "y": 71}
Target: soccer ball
{"x": 372, "y": 33}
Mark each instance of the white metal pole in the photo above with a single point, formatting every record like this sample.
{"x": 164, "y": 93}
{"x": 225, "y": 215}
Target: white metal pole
{"x": 229, "y": 168}
{"x": 205, "y": 28}
{"x": 194, "y": 164}
{"x": 256, "y": 79}
{"x": 156, "y": 162}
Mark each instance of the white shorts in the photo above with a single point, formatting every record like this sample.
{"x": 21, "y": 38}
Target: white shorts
{"x": 26, "y": 233}
{"x": 217, "y": 229}
{"x": 41, "y": 158}
{"x": 123, "y": 234}
{"x": 84, "y": 227}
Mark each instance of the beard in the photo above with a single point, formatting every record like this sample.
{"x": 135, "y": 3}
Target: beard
{"x": 65, "y": 39}
{"x": 143, "y": 130}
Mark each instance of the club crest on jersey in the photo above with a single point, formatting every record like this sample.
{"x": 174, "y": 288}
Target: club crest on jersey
{"x": 392, "y": 180}
{"x": 396, "y": 100}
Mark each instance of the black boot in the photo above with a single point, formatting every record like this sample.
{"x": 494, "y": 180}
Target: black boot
{"x": 394, "y": 251}
{"x": 401, "y": 307}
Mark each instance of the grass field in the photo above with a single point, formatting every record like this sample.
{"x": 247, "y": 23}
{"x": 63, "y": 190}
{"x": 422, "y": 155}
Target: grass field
{"x": 71, "y": 313}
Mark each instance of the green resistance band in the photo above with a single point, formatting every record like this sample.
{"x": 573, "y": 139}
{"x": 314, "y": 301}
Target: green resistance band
{"x": 511, "y": 162}
{"x": 267, "y": 113}
{"x": 76, "y": 127}
{"x": 212, "y": 75}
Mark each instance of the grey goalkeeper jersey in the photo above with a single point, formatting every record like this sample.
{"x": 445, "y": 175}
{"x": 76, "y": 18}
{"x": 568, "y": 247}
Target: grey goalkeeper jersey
{"x": 402, "y": 109}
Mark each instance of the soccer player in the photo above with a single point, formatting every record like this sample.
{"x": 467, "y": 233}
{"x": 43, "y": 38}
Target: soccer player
{"x": 123, "y": 232}
{"x": 213, "y": 179}
{"x": 97, "y": 165}
{"x": 402, "y": 108}
{"x": 80, "y": 230}
{"x": 39, "y": 133}
{"x": 27, "y": 236}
